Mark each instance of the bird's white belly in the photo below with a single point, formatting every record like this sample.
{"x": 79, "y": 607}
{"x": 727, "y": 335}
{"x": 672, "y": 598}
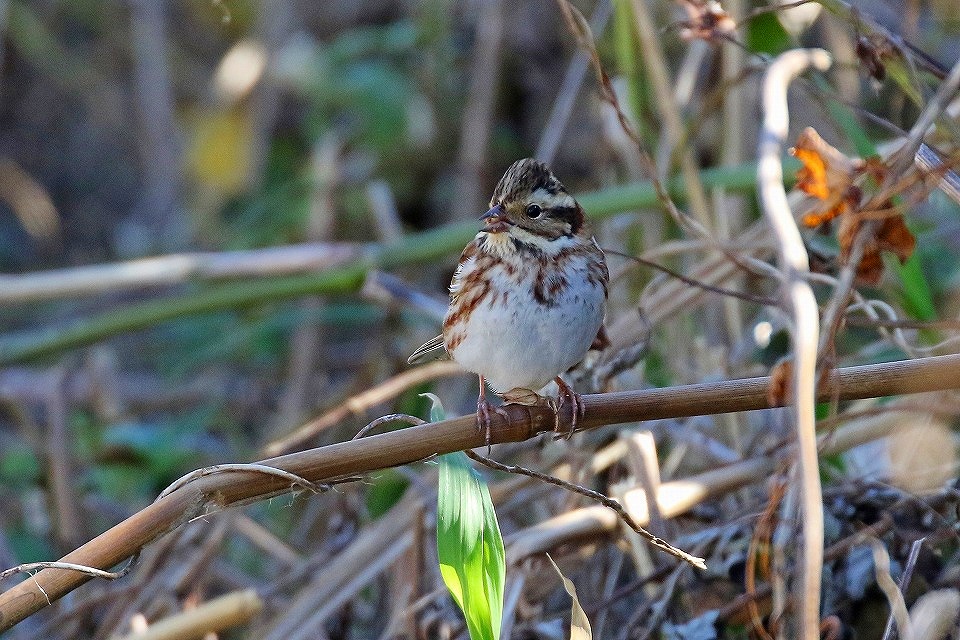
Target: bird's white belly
{"x": 521, "y": 343}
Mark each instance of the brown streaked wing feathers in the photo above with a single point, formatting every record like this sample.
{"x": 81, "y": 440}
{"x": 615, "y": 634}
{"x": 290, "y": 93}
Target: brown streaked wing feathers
{"x": 469, "y": 251}
{"x": 432, "y": 349}
{"x": 602, "y": 341}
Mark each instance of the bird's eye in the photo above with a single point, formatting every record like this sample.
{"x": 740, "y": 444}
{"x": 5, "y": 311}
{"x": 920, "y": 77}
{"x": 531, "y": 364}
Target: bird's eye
{"x": 534, "y": 211}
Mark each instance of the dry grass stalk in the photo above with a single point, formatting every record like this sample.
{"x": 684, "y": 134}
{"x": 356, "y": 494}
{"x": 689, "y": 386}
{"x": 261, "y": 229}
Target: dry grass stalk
{"x": 218, "y": 614}
{"x": 801, "y": 304}
{"x": 173, "y": 269}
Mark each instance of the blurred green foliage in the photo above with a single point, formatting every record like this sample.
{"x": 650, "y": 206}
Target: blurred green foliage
{"x": 765, "y": 34}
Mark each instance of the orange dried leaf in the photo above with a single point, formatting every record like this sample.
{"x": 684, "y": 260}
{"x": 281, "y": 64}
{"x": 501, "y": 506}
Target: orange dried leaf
{"x": 812, "y": 177}
{"x": 827, "y": 175}
{"x": 817, "y": 217}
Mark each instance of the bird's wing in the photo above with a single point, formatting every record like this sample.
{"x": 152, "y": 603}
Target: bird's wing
{"x": 601, "y": 342}
{"x": 432, "y": 349}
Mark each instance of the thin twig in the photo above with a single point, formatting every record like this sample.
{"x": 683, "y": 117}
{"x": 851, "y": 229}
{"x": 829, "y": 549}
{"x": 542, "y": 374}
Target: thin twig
{"x": 929, "y": 161}
{"x": 889, "y": 633}
{"x": 393, "y": 417}
{"x": 386, "y": 288}
{"x": 70, "y": 566}
{"x": 606, "y": 501}
{"x": 360, "y": 403}
{"x": 580, "y": 29}
{"x": 945, "y": 93}
{"x": 742, "y": 295}
{"x": 896, "y": 323}
{"x": 844, "y": 285}
{"x": 866, "y": 25}
{"x": 293, "y": 478}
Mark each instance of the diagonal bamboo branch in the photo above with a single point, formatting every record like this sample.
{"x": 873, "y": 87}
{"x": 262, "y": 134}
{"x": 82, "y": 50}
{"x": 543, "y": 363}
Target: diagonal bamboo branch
{"x": 214, "y": 492}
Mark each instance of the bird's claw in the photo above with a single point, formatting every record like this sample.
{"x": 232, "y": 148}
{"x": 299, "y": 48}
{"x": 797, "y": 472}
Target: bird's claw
{"x": 567, "y": 394}
{"x": 483, "y": 417}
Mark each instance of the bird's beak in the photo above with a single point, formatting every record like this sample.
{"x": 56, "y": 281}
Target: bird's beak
{"x": 496, "y": 223}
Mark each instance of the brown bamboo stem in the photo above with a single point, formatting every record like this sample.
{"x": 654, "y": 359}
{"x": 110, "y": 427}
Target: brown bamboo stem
{"x": 216, "y": 491}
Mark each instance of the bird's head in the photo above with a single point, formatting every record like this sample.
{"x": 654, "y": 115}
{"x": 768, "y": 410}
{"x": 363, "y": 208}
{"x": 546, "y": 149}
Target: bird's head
{"x": 530, "y": 200}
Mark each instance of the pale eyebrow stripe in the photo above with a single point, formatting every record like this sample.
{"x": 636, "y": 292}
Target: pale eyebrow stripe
{"x": 559, "y": 200}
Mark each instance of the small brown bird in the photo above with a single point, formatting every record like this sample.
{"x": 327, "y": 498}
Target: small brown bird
{"x": 528, "y": 298}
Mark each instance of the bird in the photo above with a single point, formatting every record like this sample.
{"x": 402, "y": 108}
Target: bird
{"x": 528, "y": 297}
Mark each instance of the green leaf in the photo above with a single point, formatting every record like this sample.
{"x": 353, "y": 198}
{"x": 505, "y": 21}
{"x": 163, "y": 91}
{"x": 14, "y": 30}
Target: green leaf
{"x": 765, "y": 34}
{"x": 901, "y": 74}
{"x": 472, "y": 559}
{"x": 386, "y": 492}
{"x": 436, "y": 407}
{"x": 917, "y": 297}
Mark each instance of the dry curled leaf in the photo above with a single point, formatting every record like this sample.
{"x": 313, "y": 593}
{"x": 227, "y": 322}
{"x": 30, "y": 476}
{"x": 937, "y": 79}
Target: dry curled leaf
{"x": 892, "y": 235}
{"x": 706, "y": 20}
{"x": 781, "y": 377}
{"x": 779, "y": 389}
{"x": 827, "y": 175}
{"x": 579, "y": 623}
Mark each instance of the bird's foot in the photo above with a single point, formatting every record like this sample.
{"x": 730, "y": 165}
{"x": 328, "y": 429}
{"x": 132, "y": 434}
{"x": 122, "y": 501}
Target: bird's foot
{"x": 567, "y": 394}
{"x": 483, "y": 417}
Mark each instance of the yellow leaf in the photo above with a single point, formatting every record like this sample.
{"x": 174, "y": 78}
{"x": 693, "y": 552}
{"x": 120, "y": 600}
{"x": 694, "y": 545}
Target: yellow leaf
{"x": 218, "y": 153}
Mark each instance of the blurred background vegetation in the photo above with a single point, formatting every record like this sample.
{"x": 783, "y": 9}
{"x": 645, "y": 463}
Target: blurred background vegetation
{"x": 145, "y": 128}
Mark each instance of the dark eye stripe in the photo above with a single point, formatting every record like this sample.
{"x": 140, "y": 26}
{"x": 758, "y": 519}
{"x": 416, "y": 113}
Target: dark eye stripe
{"x": 563, "y": 213}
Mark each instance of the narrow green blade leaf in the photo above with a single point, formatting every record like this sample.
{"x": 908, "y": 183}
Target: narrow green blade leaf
{"x": 469, "y": 545}
{"x": 436, "y": 407}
